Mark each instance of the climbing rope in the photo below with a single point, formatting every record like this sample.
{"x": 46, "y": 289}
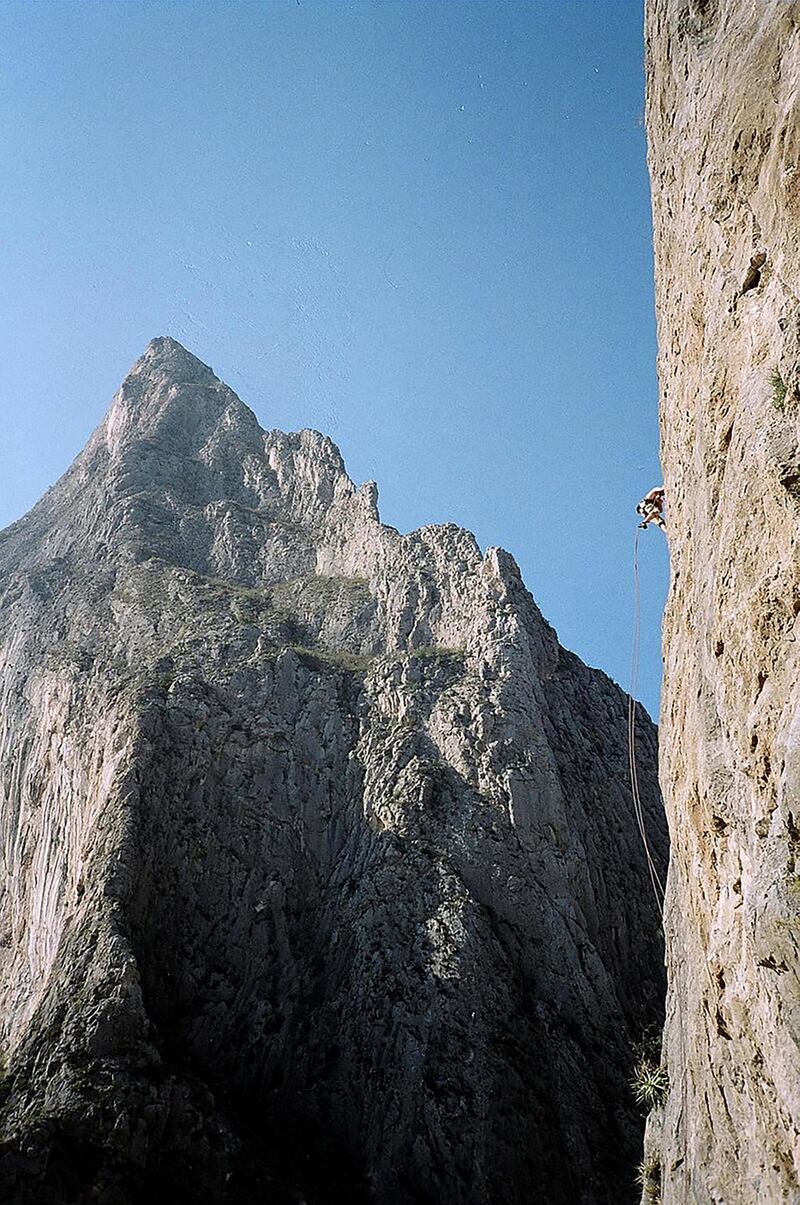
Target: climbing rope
{"x": 638, "y": 808}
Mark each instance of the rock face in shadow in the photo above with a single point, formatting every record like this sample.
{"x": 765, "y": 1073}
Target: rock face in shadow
{"x": 321, "y": 878}
{"x": 724, "y": 130}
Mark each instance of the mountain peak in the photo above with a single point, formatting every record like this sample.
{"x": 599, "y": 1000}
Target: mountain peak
{"x": 238, "y": 711}
{"x": 172, "y": 397}
{"x": 167, "y": 355}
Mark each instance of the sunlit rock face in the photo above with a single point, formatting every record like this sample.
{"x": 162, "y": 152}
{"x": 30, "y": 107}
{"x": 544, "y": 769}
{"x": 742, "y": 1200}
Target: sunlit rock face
{"x": 321, "y": 878}
{"x": 724, "y": 130}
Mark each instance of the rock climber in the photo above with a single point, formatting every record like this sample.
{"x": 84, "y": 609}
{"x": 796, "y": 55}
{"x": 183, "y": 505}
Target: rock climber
{"x": 651, "y": 508}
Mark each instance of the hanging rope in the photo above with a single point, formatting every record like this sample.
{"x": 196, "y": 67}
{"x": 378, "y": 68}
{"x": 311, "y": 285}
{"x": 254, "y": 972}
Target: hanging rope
{"x": 638, "y": 808}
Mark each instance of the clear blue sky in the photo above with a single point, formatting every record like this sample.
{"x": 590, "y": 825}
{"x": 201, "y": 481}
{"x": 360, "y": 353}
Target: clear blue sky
{"x": 423, "y": 228}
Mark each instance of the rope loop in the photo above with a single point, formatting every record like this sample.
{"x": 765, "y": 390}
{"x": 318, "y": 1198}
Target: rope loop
{"x": 638, "y": 808}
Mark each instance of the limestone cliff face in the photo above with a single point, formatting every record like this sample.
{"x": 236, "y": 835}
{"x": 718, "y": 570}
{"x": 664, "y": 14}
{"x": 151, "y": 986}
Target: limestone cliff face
{"x": 724, "y": 129}
{"x": 321, "y": 880}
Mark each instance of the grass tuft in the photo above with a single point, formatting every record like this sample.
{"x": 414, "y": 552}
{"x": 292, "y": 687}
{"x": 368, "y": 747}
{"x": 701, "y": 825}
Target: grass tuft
{"x": 319, "y": 658}
{"x": 650, "y": 1083}
{"x": 648, "y": 1177}
{"x": 437, "y": 651}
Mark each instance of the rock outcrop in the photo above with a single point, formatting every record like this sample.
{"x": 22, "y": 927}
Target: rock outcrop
{"x": 321, "y": 879}
{"x": 723, "y": 79}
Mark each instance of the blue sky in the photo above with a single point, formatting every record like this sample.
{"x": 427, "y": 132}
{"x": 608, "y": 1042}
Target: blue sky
{"x": 423, "y": 228}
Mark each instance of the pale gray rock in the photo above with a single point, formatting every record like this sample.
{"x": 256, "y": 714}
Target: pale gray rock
{"x": 321, "y": 877}
{"x": 723, "y": 79}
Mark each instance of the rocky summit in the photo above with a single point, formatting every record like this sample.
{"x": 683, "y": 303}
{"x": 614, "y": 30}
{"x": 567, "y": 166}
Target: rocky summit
{"x": 321, "y": 879}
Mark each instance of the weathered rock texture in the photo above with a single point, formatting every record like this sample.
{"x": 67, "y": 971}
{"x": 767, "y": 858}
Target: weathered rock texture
{"x": 321, "y": 877}
{"x": 724, "y": 128}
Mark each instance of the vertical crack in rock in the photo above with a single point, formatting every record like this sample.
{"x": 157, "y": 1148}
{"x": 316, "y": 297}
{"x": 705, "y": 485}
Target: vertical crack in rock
{"x": 321, "y": 877}
{"x": 723, "y": 80}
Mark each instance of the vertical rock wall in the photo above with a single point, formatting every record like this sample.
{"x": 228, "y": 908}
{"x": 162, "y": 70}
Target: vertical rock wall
{"x": 722, "y": 112}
